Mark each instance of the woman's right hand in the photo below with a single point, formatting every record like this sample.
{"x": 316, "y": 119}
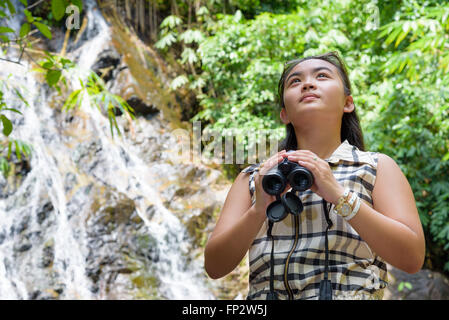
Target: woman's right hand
{"x": 264, "y": 199}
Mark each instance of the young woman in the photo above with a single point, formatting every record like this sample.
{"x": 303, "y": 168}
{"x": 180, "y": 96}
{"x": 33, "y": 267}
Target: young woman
{"x": 358, "y": 215}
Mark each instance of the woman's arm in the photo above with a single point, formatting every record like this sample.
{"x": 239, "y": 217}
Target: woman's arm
{"x": 236, "y": 229}
{"x": 239, "y": 222}
{"x": 392, "y": 228}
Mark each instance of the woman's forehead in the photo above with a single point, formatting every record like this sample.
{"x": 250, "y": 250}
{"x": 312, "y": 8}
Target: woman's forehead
{"x": 312, "y": 64}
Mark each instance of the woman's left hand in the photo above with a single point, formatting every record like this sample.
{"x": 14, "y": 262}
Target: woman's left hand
{"x": 325, "y": 185}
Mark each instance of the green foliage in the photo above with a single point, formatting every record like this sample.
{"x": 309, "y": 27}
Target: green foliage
{"x": 397, "y": 54}
{"x": 405, "y": 284}
{"x": 243, "y": 60}
{"x": 58, "y": 8}
{"x": 56, "y": 70}
{"x": 95, "y": 90}
{"x": 21, "y": 147}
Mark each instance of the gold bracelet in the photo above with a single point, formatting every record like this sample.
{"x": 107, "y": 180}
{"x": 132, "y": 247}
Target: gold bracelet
{"x": 344, "y": 207}
{"x": 342, "y": 199}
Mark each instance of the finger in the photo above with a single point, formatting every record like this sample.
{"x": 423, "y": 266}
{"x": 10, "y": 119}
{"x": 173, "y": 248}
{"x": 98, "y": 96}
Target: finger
{"x": 270, "y": 164}
{"x": 304, "y": 157}
{"x": 310, "y": 164}
{"x": 272, "y": 161}
{"x": 303, "y": 153}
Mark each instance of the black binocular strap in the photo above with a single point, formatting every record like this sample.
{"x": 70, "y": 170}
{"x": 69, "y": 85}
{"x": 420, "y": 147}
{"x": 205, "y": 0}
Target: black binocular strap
{"x": 325, "y": 284}
{"x": 272, "y": 295}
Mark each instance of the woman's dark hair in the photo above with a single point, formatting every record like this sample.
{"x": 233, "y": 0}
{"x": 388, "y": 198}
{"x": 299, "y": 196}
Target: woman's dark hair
{"x": 350, "y": 125}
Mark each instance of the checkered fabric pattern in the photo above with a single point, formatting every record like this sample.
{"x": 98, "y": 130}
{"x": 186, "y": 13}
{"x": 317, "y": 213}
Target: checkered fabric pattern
{"x": 355, "y": 270}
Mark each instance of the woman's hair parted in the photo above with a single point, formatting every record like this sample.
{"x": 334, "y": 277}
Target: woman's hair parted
{"x": 350, "y": 126}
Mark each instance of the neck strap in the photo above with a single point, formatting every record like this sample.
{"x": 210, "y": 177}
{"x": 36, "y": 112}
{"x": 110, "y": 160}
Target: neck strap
{"x": 325, "y": 284}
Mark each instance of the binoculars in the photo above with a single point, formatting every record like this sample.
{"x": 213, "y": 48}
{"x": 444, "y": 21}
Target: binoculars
{"x": 275, "y": 181}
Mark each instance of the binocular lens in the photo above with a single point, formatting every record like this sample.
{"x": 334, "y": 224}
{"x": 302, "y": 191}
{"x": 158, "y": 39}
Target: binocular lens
{"x": 274, "y": 185}
{"x": 301, "y": 180}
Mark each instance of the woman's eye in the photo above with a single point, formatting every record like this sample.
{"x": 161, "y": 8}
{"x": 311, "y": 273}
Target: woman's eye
{"x": 319, "y": 74}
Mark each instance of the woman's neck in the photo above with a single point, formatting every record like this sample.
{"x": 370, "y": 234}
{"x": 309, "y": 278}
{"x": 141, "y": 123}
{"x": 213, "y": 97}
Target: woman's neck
{"x": 322, "y": 145}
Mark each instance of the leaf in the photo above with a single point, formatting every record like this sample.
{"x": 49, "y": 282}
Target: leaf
{"x": 72, "y": 100}
{"x": 17, "y": 143}
{"x": 52, "y": 77}
{"x": 7, "y": 125}
{"x": 166, "y": 41}
{"x": 78, "y": 3}
{"x": 190, "y": 36}
{"x": 6, "y": 29}
{"x": 26, "y": 149}
{"x": 179, "y": 81}
{"x": 393, "y": 36}
{"x": 202, "y": 11}
{"x": 11, "y": 7}
{"x": 9, "y": 149}
{"x": 446, "y": 157}
{"x": 188, "y": 55}
{"x": 44, "y": 29}
{"x": 170, "y": 22}
{"x": 14, "y": 110}
{"x": 58, "y": 8}
{"x": 48, "y": 65}
{"x": 24, "y": 29}
{"x": 29, "y": 16}
{"x": 405, "y": 30}
{"x": 4, "y": 166}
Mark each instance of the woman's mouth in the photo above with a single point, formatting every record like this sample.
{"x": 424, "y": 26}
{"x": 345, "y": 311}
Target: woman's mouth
{"x": 310, "y": 98}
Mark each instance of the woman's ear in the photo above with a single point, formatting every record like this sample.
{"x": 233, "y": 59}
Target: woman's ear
{"x": 284, "y": 116}
{"x": 349, "y": 105}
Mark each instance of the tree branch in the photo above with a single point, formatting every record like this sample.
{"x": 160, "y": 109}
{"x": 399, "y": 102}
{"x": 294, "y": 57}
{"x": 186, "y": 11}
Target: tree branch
{"x": 34, "y": 4}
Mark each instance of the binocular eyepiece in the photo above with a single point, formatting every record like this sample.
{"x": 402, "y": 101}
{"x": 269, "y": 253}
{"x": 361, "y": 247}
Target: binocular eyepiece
{"x": 274, "y": 183}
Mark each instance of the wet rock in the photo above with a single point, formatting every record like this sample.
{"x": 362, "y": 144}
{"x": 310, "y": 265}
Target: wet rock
{"x": 423, "y": 285}
{"x": 140, "y": 108}
{"x": 117, "y": 242}
{"x": 106, "y": 63}
{"x": 23, "y": 225}
{"x": 121, "y": 82}
{"x": 19, "y": 169}
{"x": 22, "y": 247}
{"x": 48, "y": 255}
{"x": 150, "y": 211}
{"x": 70, "y": 180}
{"x": 44, "y": 212}
{"x": 47, "y": 294}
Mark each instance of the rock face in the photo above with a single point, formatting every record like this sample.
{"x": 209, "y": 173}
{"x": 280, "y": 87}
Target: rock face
{"x": 120, "y": 81}
{"x": 423, "y": 285}
{"x": 93, "y": 217}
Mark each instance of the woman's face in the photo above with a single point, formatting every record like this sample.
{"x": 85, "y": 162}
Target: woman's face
{"x": 320, "y": 78}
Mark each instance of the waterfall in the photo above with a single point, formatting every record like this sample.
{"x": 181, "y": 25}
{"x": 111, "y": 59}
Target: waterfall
{"x": 87, "y": 219}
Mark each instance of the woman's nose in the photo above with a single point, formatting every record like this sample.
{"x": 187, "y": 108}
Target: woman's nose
{"x": 308, "y": 85}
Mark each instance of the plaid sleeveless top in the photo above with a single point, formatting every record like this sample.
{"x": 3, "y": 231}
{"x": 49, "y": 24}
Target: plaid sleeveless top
{"x": 356, "y": 272}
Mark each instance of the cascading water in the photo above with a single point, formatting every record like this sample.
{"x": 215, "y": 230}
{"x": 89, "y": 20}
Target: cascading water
{"x": 88, "y": 215}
